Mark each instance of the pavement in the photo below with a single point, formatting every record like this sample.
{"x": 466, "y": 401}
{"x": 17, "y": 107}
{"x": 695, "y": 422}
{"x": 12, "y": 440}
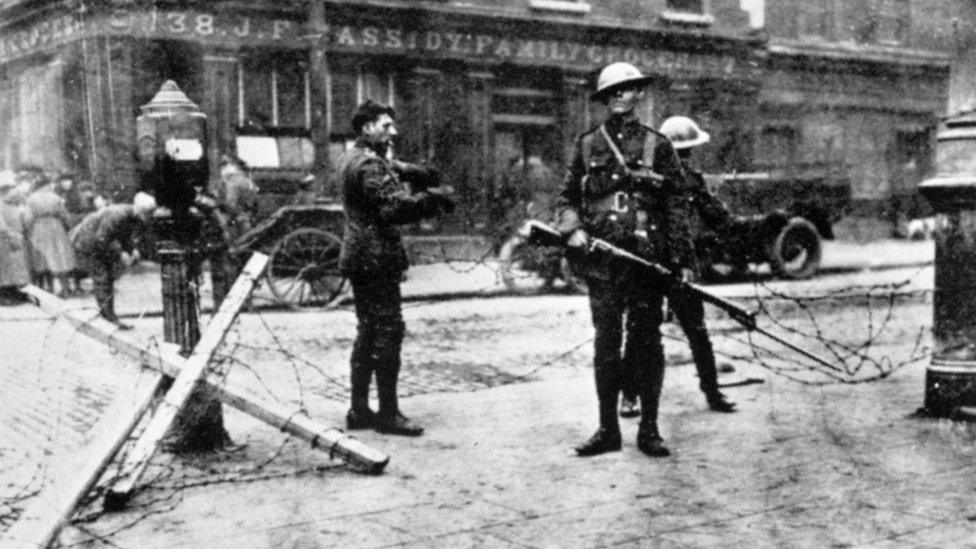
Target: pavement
{"x": 798, "y": 466}
{"x": 138, "y": 292}
{"x": 840, "y": 465}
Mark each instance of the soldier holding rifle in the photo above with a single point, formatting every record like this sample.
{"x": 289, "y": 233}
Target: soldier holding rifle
{"x": 622, "y": 183}
{"x": 696, "y": 204}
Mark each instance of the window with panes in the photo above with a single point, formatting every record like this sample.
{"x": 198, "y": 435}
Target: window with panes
{"x": 815, "y": 18}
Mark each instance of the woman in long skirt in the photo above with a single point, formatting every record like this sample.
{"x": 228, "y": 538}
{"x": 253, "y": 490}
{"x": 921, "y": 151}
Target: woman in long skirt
{"x": 14, "y": 269}
{"x": 51, "y": 251}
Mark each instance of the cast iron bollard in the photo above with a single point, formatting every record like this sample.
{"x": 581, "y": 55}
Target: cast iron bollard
{"x": 950, "y": 379}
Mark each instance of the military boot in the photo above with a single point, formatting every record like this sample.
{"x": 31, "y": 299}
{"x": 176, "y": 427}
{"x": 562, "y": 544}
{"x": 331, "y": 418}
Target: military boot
{"x": 603, "y": 441}
{"x": 719, "y": 403}
{"x": 397, "y": 424}
{"x": 650, "y": 442}
{"x": 360, "y": 416}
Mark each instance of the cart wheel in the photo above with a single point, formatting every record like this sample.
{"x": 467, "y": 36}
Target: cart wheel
{"x": 304, "y": 269}
{"x": 796, "y": 251}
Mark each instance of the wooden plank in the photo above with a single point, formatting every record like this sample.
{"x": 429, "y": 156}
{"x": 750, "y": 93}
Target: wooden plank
{"x": 193, "y": 371}
{"x": 165, "y": 359}
{"x": 43, "y": 519}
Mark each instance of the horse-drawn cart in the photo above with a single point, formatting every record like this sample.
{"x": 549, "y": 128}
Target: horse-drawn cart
{"x": 303, "y": 242}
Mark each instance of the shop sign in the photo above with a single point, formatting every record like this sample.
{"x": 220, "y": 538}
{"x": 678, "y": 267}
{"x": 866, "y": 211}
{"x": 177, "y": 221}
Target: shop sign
{"x": 203, "y": 27}
{"x": 499, "y": 48}
{"x": 40, "y": 36}
{"x": 230, "y": 29}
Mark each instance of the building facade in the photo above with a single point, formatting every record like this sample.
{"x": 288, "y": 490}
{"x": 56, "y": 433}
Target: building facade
{"x": 859, "y": 86}
{"x": 490, "y": 92}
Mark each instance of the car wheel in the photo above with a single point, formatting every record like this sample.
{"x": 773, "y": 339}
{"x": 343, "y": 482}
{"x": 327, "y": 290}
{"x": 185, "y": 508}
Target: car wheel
{"x": 796, "y": 251}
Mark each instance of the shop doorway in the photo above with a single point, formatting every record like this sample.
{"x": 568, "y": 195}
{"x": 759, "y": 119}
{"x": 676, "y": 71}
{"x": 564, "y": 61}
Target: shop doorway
{"x": 528, "y": 172}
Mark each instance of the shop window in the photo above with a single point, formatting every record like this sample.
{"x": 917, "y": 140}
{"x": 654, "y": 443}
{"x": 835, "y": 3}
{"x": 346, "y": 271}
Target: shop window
{"x": 39, "y": 104}
{"x": 816, "y": 18}
{"x": 349, "y": 88}
{"x": 8, "y": 141}
{"x": 274, "y": 92}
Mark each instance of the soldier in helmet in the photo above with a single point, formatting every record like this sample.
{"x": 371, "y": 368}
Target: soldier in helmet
{"x": 696, "y": 204}
{"x": 620, "y": 184}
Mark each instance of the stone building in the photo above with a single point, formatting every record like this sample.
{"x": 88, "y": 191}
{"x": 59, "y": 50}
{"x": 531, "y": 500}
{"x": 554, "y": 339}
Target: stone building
{"x": 859, "y": 85}
{"x": 491, "y": 92}
{"x": 484, "y": 90}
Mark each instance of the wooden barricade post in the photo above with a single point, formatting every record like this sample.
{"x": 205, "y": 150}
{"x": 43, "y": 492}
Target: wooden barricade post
{"x": 41, "y": 522}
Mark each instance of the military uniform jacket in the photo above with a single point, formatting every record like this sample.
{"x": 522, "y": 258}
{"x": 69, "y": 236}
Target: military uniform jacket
{"x": 637, "y": 215}
{"x": 108, "y": 231}
{"x": 375, "y": 202}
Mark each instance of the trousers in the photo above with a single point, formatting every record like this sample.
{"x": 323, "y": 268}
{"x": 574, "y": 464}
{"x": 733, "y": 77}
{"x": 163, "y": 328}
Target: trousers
{"x": 102, "y": 267}
{"x": 637, "y": 363}
{"x": 689, "y": 310}
{"x": 379, "y": 338}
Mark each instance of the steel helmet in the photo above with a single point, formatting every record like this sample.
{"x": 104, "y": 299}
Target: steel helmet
{"x": 615, "y": 75}
{"x": 684, "y": 133}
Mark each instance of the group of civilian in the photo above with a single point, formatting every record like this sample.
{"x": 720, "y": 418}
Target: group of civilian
{"x": 38, "y": 209}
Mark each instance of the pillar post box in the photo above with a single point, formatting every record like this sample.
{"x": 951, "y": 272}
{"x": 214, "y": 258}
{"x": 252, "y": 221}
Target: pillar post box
{"x": 950, "y": 379}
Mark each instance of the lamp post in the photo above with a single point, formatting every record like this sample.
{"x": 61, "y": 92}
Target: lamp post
{"x": 171, "y": 133}
{"x": 950, "y": 379}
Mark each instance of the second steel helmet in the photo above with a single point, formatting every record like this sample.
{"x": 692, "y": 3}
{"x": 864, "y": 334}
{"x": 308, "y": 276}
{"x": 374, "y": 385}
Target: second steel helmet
{"x": 684, "y": 133}
{"x": 616, "y": 75}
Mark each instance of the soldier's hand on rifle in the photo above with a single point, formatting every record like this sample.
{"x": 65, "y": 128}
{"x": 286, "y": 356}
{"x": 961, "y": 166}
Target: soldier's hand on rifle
{"x": 579, "y": 239}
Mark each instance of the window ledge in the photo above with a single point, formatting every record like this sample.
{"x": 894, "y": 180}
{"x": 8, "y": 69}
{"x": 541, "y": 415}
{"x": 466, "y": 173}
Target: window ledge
{"x": 566, "y": 6}
{"x": 685, "y": 18}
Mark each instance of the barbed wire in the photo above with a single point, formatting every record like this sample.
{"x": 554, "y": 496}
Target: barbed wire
{"x": 249, "y": 352}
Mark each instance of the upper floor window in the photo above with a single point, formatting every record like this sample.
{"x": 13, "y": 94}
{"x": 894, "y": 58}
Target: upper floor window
{"x": 888, "y": 22}
{"x": 687, "y": 6}
{"x": 687, "y": 12}
{"x": 567, "y": 6}
{"x": 893, "y": 21}
{"x": 816, "y": 18}
{"x": 274, "y": 91}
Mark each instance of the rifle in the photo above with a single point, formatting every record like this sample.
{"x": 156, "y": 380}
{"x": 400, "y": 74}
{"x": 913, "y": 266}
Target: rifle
{"x": 539, "y": 233}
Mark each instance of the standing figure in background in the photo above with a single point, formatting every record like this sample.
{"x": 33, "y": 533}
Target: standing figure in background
{"x": 51, "y": 253}
{"x": 213, "y": 246}
{"x": 236, "y": 194}
{"x": 14, "y": 267}
{"x": 376, "y": 199}
{"x": 80, "y": 201}
{"x": 698, "y": 207}
{"x": 104, "y": 239}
